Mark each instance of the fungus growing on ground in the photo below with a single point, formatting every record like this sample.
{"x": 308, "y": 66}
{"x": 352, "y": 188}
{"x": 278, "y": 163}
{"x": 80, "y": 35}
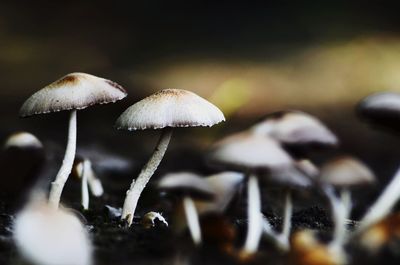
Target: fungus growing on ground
{"x": 188, "y": 185}
{"x": 382, "y": 109}
{"x": 252, "y": 154}
{"x": 83, "y": 170}
{"x": 72, "y": 92}
{"x": 149, "y": 220}
{"x": 343, "y": 173}
{"x": 299, "y": 133}
{"x": 46, "y": 236}
{"x": 164, "y": 110}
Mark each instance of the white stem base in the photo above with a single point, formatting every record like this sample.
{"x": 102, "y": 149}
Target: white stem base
{"x": 192, "y": 219}
{"x": 255, "y": 225}
{"x": 66, "y": 167}
{"x": 138, "y": 185}
{"x": 383, "y": 204}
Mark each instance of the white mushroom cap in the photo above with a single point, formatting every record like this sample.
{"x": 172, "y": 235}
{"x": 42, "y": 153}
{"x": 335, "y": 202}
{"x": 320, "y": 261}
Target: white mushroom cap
{"x": 295, "y": 127}
{"x": 73, "y": 91}
{"x": 170, "y": 108}
{"x": 346, "y": 171}
{"x": 384, "y": 101}
{"x": 186, "y": 182}
{"x": 23, "y": 140}
{"x": 47, "y": 236}
{"x": 248, "y": 151}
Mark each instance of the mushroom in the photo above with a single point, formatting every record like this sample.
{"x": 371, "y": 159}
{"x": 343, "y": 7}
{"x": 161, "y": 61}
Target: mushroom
{"x": 164, "y": 110}
{"x": 382, "y": 109}
{"x": 83, "y": 170}
{"x": 22, "y": 140}
{"x": 299, "y": 133}
{"x": 188, "y": 185}
{"x": 251, "y": 154}
{"x": 46, "y": 236}
{"x": 72, "y": 92}
{"x": 343, "y": 173}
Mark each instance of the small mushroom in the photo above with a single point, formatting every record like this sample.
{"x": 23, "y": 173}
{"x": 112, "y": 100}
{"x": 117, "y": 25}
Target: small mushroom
{"x": 343, "y": 173}
{"x": 252, "y": 154}
{"x": 22, "y": 140}
{"x": 72, "y": 92}
{"x": 188, "y": 185}
{"x": 149, "y": 220}
{"x": 83, "y": 170}
{"x": 382, "y": 109}
{"x": 164, "y": 110}
{"x": 46, "y": 236}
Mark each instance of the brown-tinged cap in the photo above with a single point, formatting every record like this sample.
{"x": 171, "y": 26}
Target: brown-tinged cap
{"x": 247, "y": 151}
{"x": 187, "y": 183}
{"x": 346, "y": 171}
{"x": 22, "y": 140}
{"x": 295, "y": 127}
{"x": 73, "y": 91}
{"x": 170, "y": 108}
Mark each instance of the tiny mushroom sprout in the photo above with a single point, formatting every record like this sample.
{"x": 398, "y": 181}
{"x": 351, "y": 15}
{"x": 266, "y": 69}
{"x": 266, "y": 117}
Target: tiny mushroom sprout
{"x": 164, "y": 110}
{"x": 382, "y": 109}
{"x": 83, "y": 170}
{"x": 72, "y": 92}
{"x": 343, "y": 173}
{"x": 251, "y": 154}
{"x": 188, "y": 186}
{"x": 46, "y": 236}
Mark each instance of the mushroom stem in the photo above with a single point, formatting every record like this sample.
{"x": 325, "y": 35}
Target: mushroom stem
{"x": 383, "y": 205}
{"x": 84, "y": 185}
{"x": 340, "y": 212}
{"x": 58, "y": 184}
{"x": 192, "y": 219}
{"x": 255, "y": 223}
{"x": 287, "y": 219}
{"x": 95, "y": 186}
{"x": 137, "y": 186}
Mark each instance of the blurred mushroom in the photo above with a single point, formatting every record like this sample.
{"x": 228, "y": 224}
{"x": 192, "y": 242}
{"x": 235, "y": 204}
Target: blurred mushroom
{"x": 22, "y": 161}
{"x": 382, "y": 109}
{"x": 297, "y": 131}
{"x": 251, "y": 154}
{"x": 307, "y": 250}
{"x": 72, "y": 92}
{"x": 164, "y": 110}
{"x": 343, "y": 173}
{"x": 83, "y": 170}
{"x": 46, "y": 236}
{"x": 188, "y": 185}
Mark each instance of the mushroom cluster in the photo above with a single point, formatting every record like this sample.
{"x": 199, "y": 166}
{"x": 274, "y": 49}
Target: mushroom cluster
{"x": 275, "y": 153}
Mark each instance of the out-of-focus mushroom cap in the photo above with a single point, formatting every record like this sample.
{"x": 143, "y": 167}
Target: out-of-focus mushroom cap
{"x": 295, "y": 127}
{"x": 22, "y": 140}
{"x": 170, "y": 108}
{"x": 73, "y": 91}
{"x": 187, "y": 184}
{"x": 289, "y": 177}
{"x": 346, "y": 171}
{"x": 381, "y": 108}
{"x": 224, "y": 185}
{"x": 246, "y": 151}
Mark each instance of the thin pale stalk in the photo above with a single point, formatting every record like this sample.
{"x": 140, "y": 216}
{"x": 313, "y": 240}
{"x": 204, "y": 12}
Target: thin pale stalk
{"x": 137, "y": 186}
{"x": 255, "y": 223}
{"x": 192, "y": 219}
{"x": 383, "y": 204}
{"x": 84, "y": 185}
{"x": 58, "y": 184}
